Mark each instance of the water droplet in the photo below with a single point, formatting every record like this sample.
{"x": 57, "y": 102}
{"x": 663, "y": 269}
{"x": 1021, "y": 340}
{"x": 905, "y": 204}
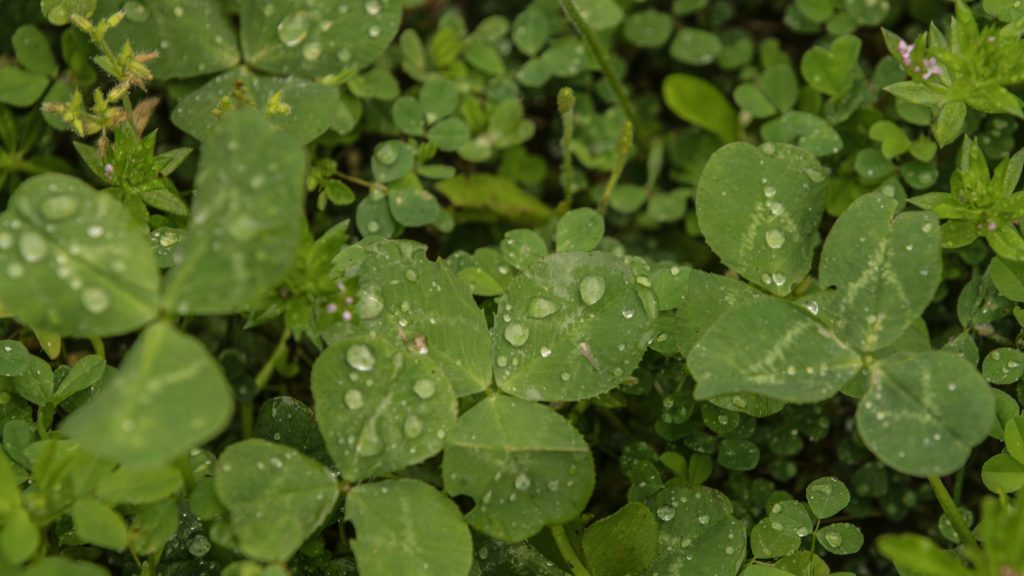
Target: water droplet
{"x": 360, "y": 357}
{"x": 703, "y": 519}
{"x": 566, "y": 376}
{"x": 815, "y": 175}
{"x": 666, "y": 513}
{"x": 293, "y": 29}
{"x": 369, "y": 443}
{"x": 32, "y": 247}
{"x": 768, "y": 148}
{"x": 541, "y": 308}
{"x": 179, "y": 11}
{"x": 424, "y": 388}
{"x": 312, "y": 51}
{"x": 373, "y": 7}
{"x": 95, "y": 231}
{"x": 59, "y": 207}
{"x": 198, "y": 546}
{"x": 15, "y": 270}
{"x": 545, "y": 352}
{"x": 369, "y": 305}
{"x": 354, "y": 399}
{"x": 522, "y": 481}
{"x": 835, "y": 539}
{"x": 779, "y": 278}
{"x": 374, "y": 31}
{"x": 95, "y": 300}
{"x": 592, "y": 289}
{"x": 774, "y": 238}
{"x": 776, "y": 208}
{"x": 769, "y": 191}
{"x": 516, "y": 334}
{"x": 413, "y": 426}
{"x": 410, "y": 275}
{"x": 628, "y": 313}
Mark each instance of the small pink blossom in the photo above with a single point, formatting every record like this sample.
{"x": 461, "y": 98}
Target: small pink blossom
{"x": 905, "y": 51}
{"x": 332, "y": 308}
{"x": 932, "y": 68}
{"x": 346, "y": 316}
{"x": 108, "y": 171}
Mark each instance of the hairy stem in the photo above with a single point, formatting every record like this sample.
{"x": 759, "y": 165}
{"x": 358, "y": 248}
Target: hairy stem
{"x": 568, "y": 552}
{"x": 584, "y": 29}
{"x": 953, "y": 513}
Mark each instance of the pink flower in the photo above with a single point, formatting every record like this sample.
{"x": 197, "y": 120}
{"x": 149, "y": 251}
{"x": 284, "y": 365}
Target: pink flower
{"x": 905, "y": 51}
{"x": 932, "y": 68}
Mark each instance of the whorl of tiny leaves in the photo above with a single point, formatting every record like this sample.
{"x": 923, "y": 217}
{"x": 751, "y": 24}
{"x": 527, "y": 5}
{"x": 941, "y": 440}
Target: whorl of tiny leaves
{"x": 81, "y": 248}
{"x": 276, "y": 497}
{"x": 156, "y": 407}
{"x": 420, "y": 305}
{"x": 523, "y": 465}
{"x": 407, "y": 527}
{"x": 762, "y": 221}
{"x": 246, "y": 218}
{"x": 571, "y": 326}
{"x": 380, "y": 408}
{"x": 774, "y": 349}
{"x": 923, "y": 413}
{"x": 886, "y": 268}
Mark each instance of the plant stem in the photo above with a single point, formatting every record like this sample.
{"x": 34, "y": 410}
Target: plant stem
{"x": 568, "y": 553}
{"x": 622, "y": 149}
{"x": 98, "y": 347}
{"x": 584, "y": 29}
{"x": 263, "y": 376}
{"x": 185, "y": 467}
{"x": 953, "y": 513}
{"x": 360, "y": 182}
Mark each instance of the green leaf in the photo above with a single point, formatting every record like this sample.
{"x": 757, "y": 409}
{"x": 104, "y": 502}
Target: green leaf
{"x": 59, "y": 566}
{"x": 841, "y": 538}
{"x": 246, "y": 218}
{"x": 762, "y": 221}
{"x": 153, "y": 525}
{"x": 827, "y": 497}
{"x": 766, "y": 541}
{"x": 21, "y": 88}
{"x": 923, "y": 413}
{"x": 1003, "y": 366}
{"x": 921, "y": 93}
{"x": 420, "y": 305}
{"x": 288, "y": 421}
{"x": 523, "y": 465}
{"x": 33, "y": 50}
{"x": 1008, "y": 277}
{"x": 58, "y": 12}
{"x": 296, "y": 37}
{"x": 276, "y": 497}
{"x": 380, "y": 409}
{"x": 949, "y": 124}
{"x": 623, "y": 544}
{"x": 1003, "y": 474}
{"x": 831, "y": 70}
{"x": 407, "y": 527}
{"x": 920, "y": 554}
{"x": 579, "y": 230}
{"x": 700, "y": 103}
{"x": 134, "y": 485}
{"x": 886, "y": 268}
{"x": 312, "y": 107}
{"x": 600, "y": 14}
{"x": 495, "y": 195}
{"x": 699, "y": 535}
{"x": 572, "y": 326}
{"x": 157, "y": 407}
{"x": 99, "y": 525}
{"x": 772, "y": 349}
{"x": 19, "y": 538}
{"x": 82, "y": 249}
{"x": 14, "y": 358}
{"x": 894, "y": 141}
{"x": 193, "y": 37}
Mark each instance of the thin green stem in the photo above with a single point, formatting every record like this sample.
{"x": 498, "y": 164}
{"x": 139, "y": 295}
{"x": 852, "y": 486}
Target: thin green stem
{"x": 98, "y": 347}
{"x": 361, "y": 182}
{"x": 953, "y": 513}
{"x": 584, "y": 29}
{"x": 246, "y": 412}
{"x": 567, "y": 551}
{"x": 622, "y": 149}
{"x": 263, "y": 376}
{"x": 185, "y": 467}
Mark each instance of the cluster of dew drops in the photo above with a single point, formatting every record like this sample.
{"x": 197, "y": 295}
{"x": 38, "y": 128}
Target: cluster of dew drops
{"x": 294, "y": 29}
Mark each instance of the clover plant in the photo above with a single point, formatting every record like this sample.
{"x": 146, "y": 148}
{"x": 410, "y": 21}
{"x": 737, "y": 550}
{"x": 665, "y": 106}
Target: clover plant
{"x": 549, "y": 287}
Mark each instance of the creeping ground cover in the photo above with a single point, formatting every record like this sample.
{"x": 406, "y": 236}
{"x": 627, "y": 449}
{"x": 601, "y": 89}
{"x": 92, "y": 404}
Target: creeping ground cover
{"x": 511, "y": 288}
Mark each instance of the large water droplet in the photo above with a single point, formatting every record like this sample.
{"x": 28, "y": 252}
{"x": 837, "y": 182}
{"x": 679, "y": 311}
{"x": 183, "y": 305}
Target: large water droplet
{"x": 666, "y": 513}
{"x": 369, "y": 305}
{"x": 835, "y": 539}
{"x": 198, "y": 546}
{"x": 592, "y": 289}
{"x": 522, "y": 481}
{"x": 424, "y": 388}
{"x": 516, "y": 334}
{"x": 32, "y": 247}
{"x": 541, "y": 308}
{"x": 354, "y": 399}
{"x": 360, "y": 357}
{"x": 774, "y": 238}
{"x": 59, "y": 207}
{"x": 135, "y": 11}
{"x": 95, "y": 300}
{"x": 413, "y": 426}
{"x": 373, "y": 7}
{"x": 293, "y": 29}
{"x": 312, "y": 51}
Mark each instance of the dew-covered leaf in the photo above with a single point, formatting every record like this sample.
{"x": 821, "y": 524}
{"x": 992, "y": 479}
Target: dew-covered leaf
{"x": 276, "y": 497}
{"x": 288, "y": 421}
{"x": 773, "y": 349}
{"x": 841, "y": 538}
{"x": 886, "y": 268}
{"x": 523, "y": 465}
{"x": 314, "y": 39}
{"x": 762, "y": 221}
{"x": 417, "y": 304}
{"x": 193, "y": 37}
{"x": 246, "y": 218}
{"x": 923, "y": 413}
{"x": 14, "y": 358}
{"x": 699, "y": 535}
{"x": 82, "y": 249}
{"x": 312, "y": 106}
{"x": 571, "y": 326}
{"x": 157, "y": 406}
{"x": 407, "y": 527}
{"x": 827, "y": 497}
{"x": 579, "y": 230}
{"x": 622, "y": 544}
{"x": 380, "y": 408}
